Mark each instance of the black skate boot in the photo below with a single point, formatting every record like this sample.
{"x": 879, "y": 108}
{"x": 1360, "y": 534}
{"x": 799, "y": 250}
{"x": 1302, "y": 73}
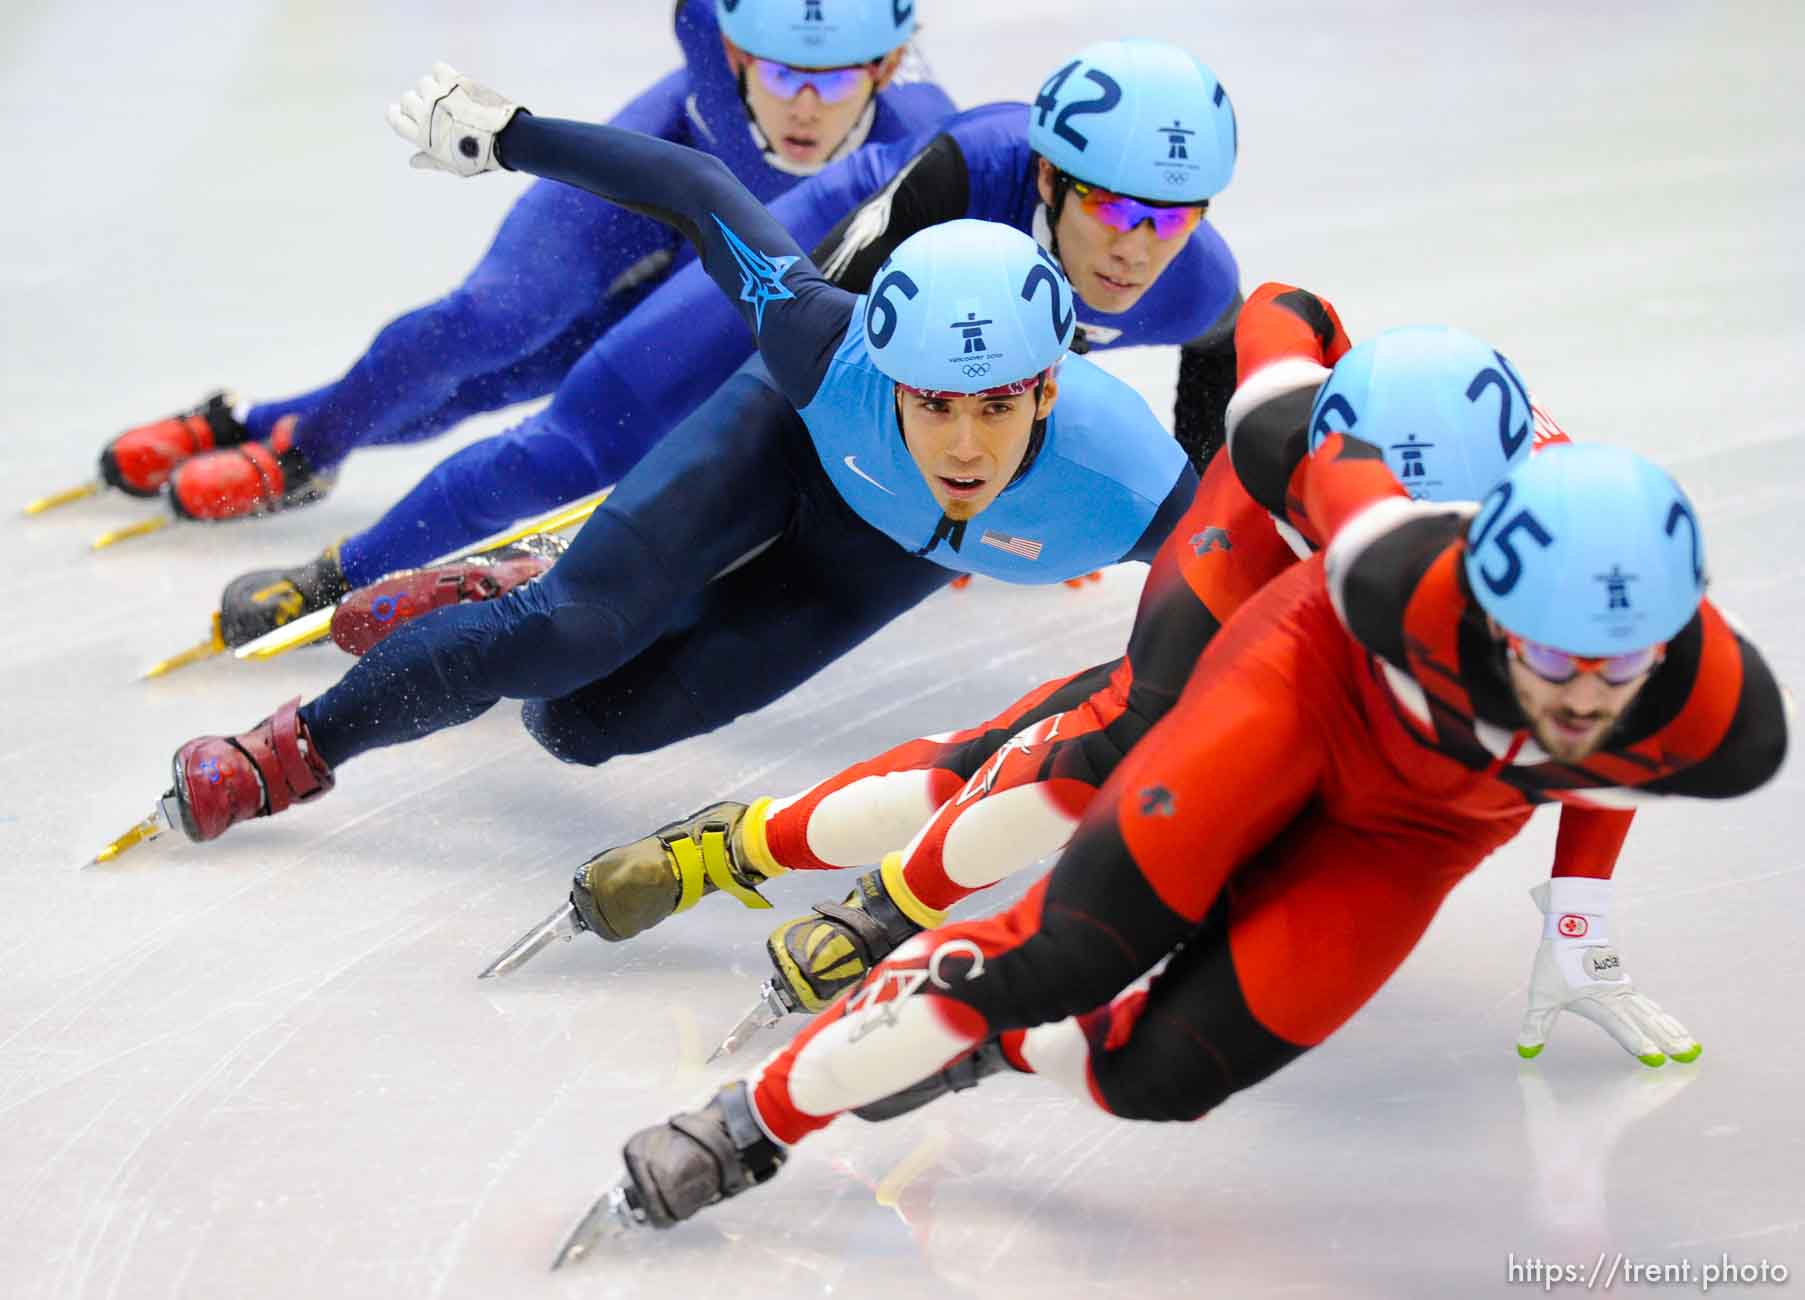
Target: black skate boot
{"x": 680, "y": 1167}
{"x": 630, "y": 888}
{"x": 259, "y": 602}
{"x": 820, "y": 956}
{"x": 980, "y": 1063}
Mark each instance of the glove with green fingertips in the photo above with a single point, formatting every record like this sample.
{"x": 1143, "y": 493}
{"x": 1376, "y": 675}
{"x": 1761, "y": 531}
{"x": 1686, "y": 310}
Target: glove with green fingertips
{"x": 1577, "y": 969}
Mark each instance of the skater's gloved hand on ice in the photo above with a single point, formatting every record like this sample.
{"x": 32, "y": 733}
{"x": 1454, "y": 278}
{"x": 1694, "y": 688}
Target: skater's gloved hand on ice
{"x": 1576, "y": 969}
{"x": 452, "y": 121}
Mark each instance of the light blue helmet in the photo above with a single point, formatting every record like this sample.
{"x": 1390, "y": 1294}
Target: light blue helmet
{"x": 1588, "y": 549}
{"x": 1449, "y": 412}
{"x": 817, "y": 33}
{"x": 1139, "y": 117}
{"x": 968, "y": 306}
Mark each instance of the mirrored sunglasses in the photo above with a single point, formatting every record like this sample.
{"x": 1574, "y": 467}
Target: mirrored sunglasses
{"x": 1558, "y": 667}
{"x": 831, "y": 84}
{"x": 1119, "y": 212}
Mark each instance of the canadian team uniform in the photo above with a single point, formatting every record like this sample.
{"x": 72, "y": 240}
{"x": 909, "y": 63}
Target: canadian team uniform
{"x": 1344, "y": 751}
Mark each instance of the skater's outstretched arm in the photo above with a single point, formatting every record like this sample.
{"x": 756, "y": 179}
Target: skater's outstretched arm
{"x": 797, "y": 317}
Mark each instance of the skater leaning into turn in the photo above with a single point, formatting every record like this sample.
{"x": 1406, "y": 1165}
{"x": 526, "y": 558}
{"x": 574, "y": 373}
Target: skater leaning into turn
{"x": 1365, "y": 731}
{"x": 883, "y": 444}
{"x": 1125, "y": 222}
{"x": 976, "y": 805}
{"x": 564, "y": 268}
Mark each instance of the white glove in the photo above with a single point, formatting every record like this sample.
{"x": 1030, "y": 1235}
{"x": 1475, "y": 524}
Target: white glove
{"x": 452, "y": 121}
{"x": 1577, "y": 970}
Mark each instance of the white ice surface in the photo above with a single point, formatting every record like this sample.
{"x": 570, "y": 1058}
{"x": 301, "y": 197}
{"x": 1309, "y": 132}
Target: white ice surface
{"x": 264, "y": 1068}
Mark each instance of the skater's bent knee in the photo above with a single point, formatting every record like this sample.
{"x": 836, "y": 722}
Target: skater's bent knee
{"x": 566, "y": 732}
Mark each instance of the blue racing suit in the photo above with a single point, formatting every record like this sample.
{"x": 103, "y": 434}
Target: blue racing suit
{"x": 657, "y": 365}
{"x": 746, "y": 551}
{"x": 564, "y": 269}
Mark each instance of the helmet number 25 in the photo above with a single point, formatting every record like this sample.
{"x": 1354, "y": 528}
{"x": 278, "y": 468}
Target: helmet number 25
{"x": 1502, "y": 584}
{"x": 1048, "y": 100}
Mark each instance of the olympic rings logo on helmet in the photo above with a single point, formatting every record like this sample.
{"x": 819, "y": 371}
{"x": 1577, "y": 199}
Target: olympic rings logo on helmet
{"x": 977, "y": 369}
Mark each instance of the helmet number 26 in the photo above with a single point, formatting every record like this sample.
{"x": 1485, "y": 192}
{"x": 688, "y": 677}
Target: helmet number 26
{"x": 1048, "y": 100}
{"x": 1038, "y": 275}
{"x": 1502, "y": 584}
{"x": 880, "y": 331}
{"x": 1505, "y": 380}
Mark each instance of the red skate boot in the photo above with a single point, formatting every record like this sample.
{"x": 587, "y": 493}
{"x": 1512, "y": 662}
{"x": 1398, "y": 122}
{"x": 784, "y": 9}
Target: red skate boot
{"x": 370, "y": 613}
{"x": 252, "y": 478}
{"x": 139, "y": 461}
{"x": 223, "y": 780}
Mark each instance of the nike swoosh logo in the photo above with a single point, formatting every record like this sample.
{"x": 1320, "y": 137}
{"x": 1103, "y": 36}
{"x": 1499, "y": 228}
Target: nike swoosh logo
{"x": 862, "y": 474}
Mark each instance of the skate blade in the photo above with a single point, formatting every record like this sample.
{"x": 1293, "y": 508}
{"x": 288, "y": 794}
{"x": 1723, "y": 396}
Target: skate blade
{"x": 144, "y": 832}
{"x": 562, "y": 924}
{"x": 771, "y": 1007}
{"x": 143, "y": 528}
{"x": 68, "y": 495}
{"x": 305, "y": 630}
{"x": 213, "y": 645}
{"x": 614, "y": 1215}
{"x": 318, "y": 625}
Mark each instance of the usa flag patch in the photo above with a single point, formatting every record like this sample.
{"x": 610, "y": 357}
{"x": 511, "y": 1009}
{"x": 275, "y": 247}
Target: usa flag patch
{"x": 1026, "y": 547}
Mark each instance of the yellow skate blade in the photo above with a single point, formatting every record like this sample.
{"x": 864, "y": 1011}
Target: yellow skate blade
{"x": 145, "y": 831}
{"x": 318, "y": 625}
{"x": 63, "y": 498}
{"x": 302, "y": 631}
{"x": 893, "y": 1184}
{"x": 141, "y": 529}
{"x": 213, "y": 645}
{"x": 551, "y": 522}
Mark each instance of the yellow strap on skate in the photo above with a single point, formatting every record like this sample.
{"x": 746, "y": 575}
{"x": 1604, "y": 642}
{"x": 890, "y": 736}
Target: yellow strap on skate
{"x": 690, "y": 872}
{"x": 709, "y": 860}
{"x": 928, "y": 918}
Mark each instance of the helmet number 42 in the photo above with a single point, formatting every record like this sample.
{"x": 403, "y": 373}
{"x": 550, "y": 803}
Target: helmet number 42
{"x": 1048, "y": 100}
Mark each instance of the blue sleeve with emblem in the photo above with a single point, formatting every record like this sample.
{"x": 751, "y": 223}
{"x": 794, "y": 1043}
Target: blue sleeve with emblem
{"x": 796, "y": 316}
